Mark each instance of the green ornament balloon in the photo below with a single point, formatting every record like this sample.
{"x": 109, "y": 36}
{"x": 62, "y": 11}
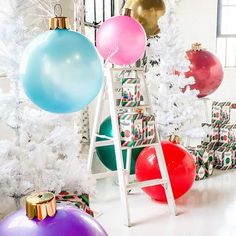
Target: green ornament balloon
{"x": 107, "y": 155}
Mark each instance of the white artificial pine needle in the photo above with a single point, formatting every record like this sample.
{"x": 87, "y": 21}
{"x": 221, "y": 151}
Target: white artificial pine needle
{"x": 47, "y": 154}
{"x": 177, "y": 112}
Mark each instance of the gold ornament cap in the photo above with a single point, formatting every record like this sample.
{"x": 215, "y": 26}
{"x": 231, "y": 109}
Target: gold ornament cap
{"x": 196, "y": 46}
{"x": 127, "y": 12}
{"x": 174, "y": 139}
{"x": 41, "y": 205}
{"x": 59, "y": 21}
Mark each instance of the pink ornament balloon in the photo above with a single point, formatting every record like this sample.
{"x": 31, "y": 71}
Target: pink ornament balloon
{"x": 121, "y": 40}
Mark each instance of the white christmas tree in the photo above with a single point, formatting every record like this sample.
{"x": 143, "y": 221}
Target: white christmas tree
{"x": 45, "y": 153}
{"x": 178, "y": 111}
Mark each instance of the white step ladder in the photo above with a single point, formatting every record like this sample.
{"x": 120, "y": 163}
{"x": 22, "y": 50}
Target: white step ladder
{"x": 124, "y": 173}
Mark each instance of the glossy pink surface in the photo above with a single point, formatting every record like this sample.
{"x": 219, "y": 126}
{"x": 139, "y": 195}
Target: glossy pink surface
{"x": 122, "y": 40}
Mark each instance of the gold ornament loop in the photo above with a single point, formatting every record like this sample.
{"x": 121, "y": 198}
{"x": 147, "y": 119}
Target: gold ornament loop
{"x": 58, "y": 6}
{"x": 59, "y": 22}
{"x": 40, "y": 205}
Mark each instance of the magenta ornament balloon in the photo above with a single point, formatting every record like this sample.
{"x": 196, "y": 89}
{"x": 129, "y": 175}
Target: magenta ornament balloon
{"x": 68, "y": 221}
{"x": 121, "y": 40}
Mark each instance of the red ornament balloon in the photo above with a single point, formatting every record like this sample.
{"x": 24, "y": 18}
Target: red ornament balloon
{"x": 180, "y": 166}
{"x": 207, "y": 71}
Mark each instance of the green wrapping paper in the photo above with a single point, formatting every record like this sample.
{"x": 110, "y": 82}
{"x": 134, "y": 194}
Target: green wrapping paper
{"x": 131, "y": 93}
{"x": 200, "y": 172}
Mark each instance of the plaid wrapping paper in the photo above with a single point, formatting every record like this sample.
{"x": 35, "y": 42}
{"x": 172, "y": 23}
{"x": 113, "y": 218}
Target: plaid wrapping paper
{"x": 131, "y": 93}
{"x": 203, "y": 158}
{"x": 224, "y": 157}
{"x": 221, "y": 113}
{"x": 80, "y": 201}
{"x": 132, "y": 129}
{"x": 149, "y": 129}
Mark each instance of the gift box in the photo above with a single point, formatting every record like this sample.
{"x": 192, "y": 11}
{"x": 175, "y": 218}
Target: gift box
{"x": 196, "y": 153}
{"x": 227, "y": 134}
{"x": 215, "y": 134}
{"x": 209, "y": 168}
{"x": 208, "y": 130}
{"x": 223, "y": 158}
{"x": 200, "y": 172}
{"x": 80, "y": 201}
{"x": 130, "y": 92}
{"x": 150, "y": 131}
{"x": 131, "y": 129}
{"x": 221, "y": 113}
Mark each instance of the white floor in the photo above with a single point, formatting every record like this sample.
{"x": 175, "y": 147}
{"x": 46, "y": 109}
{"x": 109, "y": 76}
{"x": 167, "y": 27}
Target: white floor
{"x": 209, "y": 208}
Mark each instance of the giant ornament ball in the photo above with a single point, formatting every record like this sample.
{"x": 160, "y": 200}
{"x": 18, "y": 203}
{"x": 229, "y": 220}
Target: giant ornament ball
{"x": 121, "y": 40}
{"x": 61, "y": 71}
{"x": 69, "y": 220}
{"x": 180, "y": 167}
{"x": 107, "y": 155}
{"x": 207, "y": 71}
{"x": 147, "y": 13}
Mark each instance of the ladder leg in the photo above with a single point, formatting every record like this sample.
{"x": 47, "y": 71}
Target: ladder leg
{"x": 164, "y": 174}
{"x": 128, "y": 164}
{"x": 161, "y": 162}
{"x": 118, "y": 152}
{"x": 95, "y": 128}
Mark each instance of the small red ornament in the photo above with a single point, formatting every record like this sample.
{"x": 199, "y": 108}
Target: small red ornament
{"x": 206, "y": 69}
{"x": 180, "y": 166}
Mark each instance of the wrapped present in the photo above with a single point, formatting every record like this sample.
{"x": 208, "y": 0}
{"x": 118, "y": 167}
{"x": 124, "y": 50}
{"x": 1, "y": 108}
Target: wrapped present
{"x": 131, "y": 129}
{"x": 221, "y": 113}
{"x": 211, "y": 155}
{"x": 208, "y": 130}
{"x": 131, "y": 93}
{"x": 234, "y": 155}
{"x": 209, "y": 168}
{"x": 212, "y": 146}
{"x": 200, "y": 172}
{"x": 227, "y": 133}
{"x": 196, "y": 153}
{"x": 215, "y": 134}
{"x": 80, "y": 201}
{"x": 224, "y": 157}
{"x": 149, "y": 126}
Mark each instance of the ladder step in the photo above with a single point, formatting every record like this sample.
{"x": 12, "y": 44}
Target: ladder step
{"x": 104, "y": 143}
{"x": 106, "y": 174}
{"x": 103, "y": 136}
{"x": 140, "y": 146}
{"x": 128, "y": 69}
{"x": 146, "y": 183}
{"x": 133, "y": 108}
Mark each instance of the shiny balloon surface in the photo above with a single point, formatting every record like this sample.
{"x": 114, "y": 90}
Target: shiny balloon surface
{"x": 147, "y": 13}
{"x": 107, "y": 155}
{"x": 180, "y": 167}
{"x": 121, "y": 40}
{"x": 61, "y": 71}
{"x": 68, "y": 221}
{"x": 207, "y": 71}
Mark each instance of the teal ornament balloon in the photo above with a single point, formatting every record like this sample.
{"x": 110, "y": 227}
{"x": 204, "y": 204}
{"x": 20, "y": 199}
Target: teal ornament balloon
{"x": 61, "y": 71}
{"x": 107, "y": 155}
